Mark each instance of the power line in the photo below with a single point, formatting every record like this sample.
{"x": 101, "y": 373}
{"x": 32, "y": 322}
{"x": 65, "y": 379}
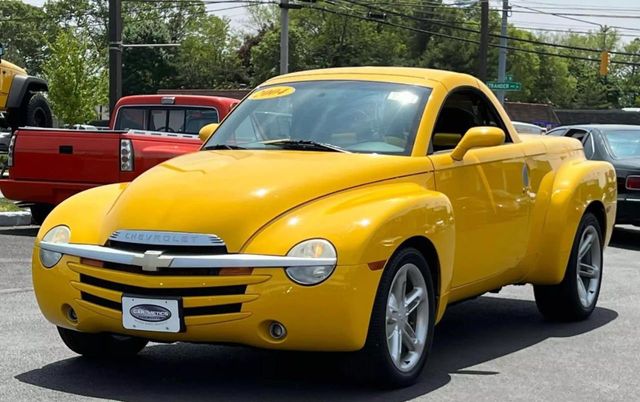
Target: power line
{"x": 531, "y": 41}
{"x": 437, "y": 34}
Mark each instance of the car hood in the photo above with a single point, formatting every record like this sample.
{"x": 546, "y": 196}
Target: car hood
{"x": 232, "y": 194}
{"x": 11, "y": 66}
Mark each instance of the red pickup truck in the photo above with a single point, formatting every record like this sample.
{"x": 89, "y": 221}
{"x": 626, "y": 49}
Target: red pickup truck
{"x": 47, "y": 166}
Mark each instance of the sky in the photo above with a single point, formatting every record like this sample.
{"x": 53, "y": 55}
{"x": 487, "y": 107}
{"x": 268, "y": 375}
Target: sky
{"x": 622, "y": 14}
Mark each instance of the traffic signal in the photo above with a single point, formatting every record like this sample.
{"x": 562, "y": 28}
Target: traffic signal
{"x": 604, "y": 63}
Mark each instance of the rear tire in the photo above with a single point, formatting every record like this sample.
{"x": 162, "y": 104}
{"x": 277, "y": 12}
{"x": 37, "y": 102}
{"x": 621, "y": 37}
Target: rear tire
{"x": 576, "y": 296}
{"x": 39, "y": 212}
{"x": 402, "y": 322}
{"x": 101, "y": 345}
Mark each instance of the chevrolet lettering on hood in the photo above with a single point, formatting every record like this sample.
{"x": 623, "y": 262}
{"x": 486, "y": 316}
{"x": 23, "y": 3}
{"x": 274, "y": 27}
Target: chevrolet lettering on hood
{"x": 165, "y": 238}
{"x": 337, "y": 210}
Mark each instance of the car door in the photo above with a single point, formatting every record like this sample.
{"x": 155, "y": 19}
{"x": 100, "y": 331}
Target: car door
{"x": 488, "y": 190}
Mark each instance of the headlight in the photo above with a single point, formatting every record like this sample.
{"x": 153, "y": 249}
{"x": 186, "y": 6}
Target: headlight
{"x": 314, "y": 248}
{"x": 59, "y": 234}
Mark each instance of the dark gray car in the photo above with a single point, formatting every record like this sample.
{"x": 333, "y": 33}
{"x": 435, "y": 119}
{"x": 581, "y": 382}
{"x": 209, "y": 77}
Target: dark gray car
{"x": 620, "y": 145}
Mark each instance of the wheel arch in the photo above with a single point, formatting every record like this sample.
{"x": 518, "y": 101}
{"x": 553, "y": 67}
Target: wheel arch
{"x": 597, "y": 208}
{"x": 21, "y": 86}
{"x": 429, "y": 252}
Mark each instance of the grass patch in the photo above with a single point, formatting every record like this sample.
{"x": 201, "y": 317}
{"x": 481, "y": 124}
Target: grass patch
{"x": 8, "y": 206}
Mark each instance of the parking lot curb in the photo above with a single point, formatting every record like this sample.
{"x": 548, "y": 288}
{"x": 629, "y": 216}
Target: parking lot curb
{"x": 21, "y": 218}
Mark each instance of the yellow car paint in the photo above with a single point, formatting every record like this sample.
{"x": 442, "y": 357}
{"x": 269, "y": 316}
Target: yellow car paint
{"x": 504, "y": 214}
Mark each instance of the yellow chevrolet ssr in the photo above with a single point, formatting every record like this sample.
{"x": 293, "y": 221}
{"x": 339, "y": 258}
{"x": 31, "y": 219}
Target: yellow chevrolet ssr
{"x": 333, "y": 210}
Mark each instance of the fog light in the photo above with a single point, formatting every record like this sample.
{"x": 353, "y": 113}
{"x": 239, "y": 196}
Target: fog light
{"x": 71, "y": 313}
{"x": 277, "y": 330}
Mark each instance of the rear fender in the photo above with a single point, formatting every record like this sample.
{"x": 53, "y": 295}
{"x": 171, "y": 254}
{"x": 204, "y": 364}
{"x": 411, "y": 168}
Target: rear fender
{"x": 576, "y": 185}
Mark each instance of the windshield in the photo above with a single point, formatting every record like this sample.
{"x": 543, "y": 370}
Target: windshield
{"x": 624, "y": 143}
{"x": 355, "y": 116}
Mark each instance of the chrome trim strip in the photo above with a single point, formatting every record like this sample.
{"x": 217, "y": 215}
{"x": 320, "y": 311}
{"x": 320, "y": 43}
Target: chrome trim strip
{"x": 152, "y": 260}
{"x": 157, "y": 238}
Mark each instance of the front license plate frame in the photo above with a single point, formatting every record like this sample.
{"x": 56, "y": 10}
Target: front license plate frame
{"x": 143, "y": 313}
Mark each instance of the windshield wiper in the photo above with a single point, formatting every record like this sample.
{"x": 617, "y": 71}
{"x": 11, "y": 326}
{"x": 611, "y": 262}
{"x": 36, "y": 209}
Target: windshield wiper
{"x": 304, "y": 145}
{"x": 222, "y": 146}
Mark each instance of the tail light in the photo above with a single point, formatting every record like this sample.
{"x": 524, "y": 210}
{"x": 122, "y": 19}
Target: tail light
{"x": 633, "y": 183}
{"x": 12, "y": 145}
{"x": 126, "y": 156}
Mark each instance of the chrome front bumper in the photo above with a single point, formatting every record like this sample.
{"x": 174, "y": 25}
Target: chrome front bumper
{"x": 152, "y": 260}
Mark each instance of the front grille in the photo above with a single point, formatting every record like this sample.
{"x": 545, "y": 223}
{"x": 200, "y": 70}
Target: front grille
{"x": 169, "y": 292}
{"x": 165, "y": 292}
{"x": 163, "y": 242}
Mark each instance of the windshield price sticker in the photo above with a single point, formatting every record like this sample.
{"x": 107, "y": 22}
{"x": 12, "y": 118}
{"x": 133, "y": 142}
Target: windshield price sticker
{"x": 272, "y": 92}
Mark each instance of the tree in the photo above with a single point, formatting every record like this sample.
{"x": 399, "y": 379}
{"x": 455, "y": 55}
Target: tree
{"x": 207, "y": 57}
{"x": 22, "y": 34}
{"x": 77, "y": 79}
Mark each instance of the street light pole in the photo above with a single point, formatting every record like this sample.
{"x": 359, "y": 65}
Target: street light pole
{"x": 502, "y": 55}
{"x": 115, "y": 52}
{"x": 484, "y": 40}
{"x": 284, "y": 36}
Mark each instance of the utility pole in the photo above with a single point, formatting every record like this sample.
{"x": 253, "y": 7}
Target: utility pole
{"x": 502, "y": 56}
{"x": 115, "y": 53}
{"x": 284, "y": 36}
{"x": 484, "y": 40}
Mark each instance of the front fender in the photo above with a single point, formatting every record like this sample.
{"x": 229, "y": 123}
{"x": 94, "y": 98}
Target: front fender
{"x": 83, "y": 213}
{"x": 367, "y": 225}
{"x": 20, "y": 85}
{"x": 575, "y": 186}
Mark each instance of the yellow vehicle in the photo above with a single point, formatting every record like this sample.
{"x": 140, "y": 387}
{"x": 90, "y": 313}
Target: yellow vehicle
{"x": 332, "y": 210}
{"x": 21, "y": 98}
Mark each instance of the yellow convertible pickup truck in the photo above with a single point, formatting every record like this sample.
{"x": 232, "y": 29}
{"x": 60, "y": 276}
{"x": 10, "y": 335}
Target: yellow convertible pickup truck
{"x": 332, "y": 210}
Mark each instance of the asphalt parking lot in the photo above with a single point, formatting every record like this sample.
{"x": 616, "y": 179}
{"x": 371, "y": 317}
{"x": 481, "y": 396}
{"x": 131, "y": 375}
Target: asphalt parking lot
{"x": 495, "y": 347}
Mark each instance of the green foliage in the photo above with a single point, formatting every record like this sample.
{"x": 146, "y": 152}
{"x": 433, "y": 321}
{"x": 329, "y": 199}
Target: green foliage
{"x": 207, "y": 57}
{"x": 21, "y": 34}
{"x": 77, "y": 79}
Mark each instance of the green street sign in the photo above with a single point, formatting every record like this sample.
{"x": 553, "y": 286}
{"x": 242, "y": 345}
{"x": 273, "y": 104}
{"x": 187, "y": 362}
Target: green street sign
{"x": 504, "y": 86}
{"x": 508, "y": 77}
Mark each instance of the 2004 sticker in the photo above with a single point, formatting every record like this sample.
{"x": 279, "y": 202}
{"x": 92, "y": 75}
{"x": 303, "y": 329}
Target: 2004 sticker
{"x": 272, "y": 92}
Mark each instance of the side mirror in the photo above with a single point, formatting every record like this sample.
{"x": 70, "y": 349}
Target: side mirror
{"x": 207, "y": 131}
{"x": 477, "y": 137}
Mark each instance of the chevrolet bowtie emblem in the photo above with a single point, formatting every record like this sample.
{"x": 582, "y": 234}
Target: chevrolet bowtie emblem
{"x": 151, "y": 261}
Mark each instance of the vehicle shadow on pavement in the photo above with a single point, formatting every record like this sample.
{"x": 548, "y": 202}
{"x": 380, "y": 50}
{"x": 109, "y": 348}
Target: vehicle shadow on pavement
{"x": 471, "y": 333}
{"x": 625, "y": 238}
{"x": 26, "y": 231}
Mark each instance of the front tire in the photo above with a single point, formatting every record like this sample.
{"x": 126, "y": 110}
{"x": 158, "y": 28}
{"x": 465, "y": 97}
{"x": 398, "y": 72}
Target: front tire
{"x": 576, "y": 296}
{"x": 105, "y": 346}
{"x": 402, "y": 321}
